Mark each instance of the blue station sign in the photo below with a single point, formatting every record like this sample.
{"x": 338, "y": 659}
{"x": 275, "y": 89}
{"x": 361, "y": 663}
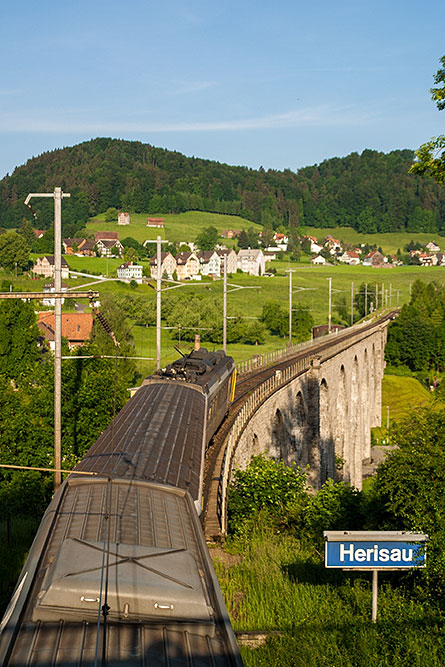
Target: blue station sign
{"x": 376, "y": 550}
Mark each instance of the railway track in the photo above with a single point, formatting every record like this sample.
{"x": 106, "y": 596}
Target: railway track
{"x": 245, "y": 385}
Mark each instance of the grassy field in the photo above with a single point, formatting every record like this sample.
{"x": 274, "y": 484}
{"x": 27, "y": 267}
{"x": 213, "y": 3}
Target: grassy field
{"x": 186, "y": 227}
{"x": 321, "y": 617}
{"x": 400, "y": 397}
{"x": 181, "y": 227}
{"x": 389, "y": 242}
{"x": 310, "y": 289}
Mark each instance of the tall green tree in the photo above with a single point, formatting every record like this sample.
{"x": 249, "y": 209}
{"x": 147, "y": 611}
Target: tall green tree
{"x": 14, "y": 251}
{"x": 207, "y": 239}
{"x": 410, "y": 484}
{"x": 19, "y": 337}
{"x": 431, "y": 155}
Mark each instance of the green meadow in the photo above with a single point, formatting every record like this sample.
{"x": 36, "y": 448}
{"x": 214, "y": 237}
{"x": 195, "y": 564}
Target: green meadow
{"x": 177, "y": 227}
{"x": 315, "y": 617}
{"x": 389, "y": 242}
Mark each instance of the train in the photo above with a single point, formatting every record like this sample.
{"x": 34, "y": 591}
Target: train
{"x": 119, "y": 572}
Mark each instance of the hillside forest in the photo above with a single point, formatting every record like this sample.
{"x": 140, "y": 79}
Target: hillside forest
{"x": 372, "y": 192}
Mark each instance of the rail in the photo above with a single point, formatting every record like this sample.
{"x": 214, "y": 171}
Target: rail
{"x": 263, "y": 360}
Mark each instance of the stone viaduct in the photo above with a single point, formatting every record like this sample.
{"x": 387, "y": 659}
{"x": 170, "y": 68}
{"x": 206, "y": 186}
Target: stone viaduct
{"x": 317, "y": 412}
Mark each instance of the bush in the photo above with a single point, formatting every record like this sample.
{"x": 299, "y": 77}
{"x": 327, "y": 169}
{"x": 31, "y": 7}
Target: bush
{"x": 264, "y": 485}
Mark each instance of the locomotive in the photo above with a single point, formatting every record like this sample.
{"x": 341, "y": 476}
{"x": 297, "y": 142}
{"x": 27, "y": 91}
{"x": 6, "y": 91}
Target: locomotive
{"x": 119, "y": 572}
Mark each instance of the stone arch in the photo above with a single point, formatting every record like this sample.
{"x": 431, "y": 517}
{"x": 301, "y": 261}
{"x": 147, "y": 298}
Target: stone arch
{"x": 279, "y": 436}
{"x": 341, "y": 422}
{"x": 366, "y": 408}
{"x": 326, "y": 441}
{"x": 298, "y": 435}
{"x": 355, "y": 450}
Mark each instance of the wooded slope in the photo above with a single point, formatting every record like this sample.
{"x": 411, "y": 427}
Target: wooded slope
{"x": 371, "y": 192}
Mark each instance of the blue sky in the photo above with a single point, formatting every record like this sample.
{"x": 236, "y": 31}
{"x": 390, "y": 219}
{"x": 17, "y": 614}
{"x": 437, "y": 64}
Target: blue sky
{"x": 280, "y": 84}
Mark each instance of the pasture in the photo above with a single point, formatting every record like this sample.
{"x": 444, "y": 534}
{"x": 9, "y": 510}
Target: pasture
{"x": 181, "y": 227}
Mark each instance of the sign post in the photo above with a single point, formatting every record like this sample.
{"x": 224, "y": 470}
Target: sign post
{"x": 375, "y": 551}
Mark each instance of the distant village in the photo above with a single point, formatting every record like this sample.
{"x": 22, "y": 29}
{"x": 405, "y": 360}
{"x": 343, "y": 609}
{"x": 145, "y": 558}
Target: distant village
{"x": 193, "y": 263}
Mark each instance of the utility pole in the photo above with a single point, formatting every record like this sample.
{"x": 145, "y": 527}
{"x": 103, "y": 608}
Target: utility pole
{"x": 290, "y": 308}
{"x": 352, "y": 304}
{"x": 158, "y": 302}
{"x": 159, "y": 243}
{"x": 330, "y": 299}
{"x": 366, "y": 299}
{"x": 57, "y": 195}
{"x": 225, "y": 306}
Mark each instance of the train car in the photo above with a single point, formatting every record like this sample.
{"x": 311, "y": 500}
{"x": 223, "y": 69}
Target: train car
{"x": 119, "y": 572}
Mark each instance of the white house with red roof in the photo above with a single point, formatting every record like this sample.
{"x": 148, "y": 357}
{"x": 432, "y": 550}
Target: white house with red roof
{"x": 129, "y": 271}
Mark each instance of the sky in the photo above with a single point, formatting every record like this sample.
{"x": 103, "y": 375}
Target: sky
{"x": 279, "y": 84}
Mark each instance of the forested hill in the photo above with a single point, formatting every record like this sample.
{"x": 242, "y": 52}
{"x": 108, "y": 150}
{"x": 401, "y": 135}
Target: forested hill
{"x": 371, "y": 192}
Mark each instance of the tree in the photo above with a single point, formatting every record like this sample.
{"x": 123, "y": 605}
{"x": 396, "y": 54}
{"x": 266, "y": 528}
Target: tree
{"x": 410, "y": 484}
{"x": 19, "y": 336}
{"x": 14, "y": 251}
{"x": 431, "y": 155}
{"x": 111, "y": 214}
{"x": 275, "y": 318}
{"x": 302, "y": 323}
{"x": 207, "y": 239}
{"x": 26, "y": 230}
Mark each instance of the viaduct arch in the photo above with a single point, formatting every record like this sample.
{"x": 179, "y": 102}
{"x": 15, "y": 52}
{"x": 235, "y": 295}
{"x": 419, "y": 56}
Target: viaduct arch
{"x": 318, "y": 413}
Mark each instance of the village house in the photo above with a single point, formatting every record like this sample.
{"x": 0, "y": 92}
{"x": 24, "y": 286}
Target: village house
{"x": 76, "y": 327}
{"x": 252, "y": 261}
{"x": 108, "y": 244}
{"x": 38, "y": 233}
{"x": 374, "y": 258}
{"x": 231, "y": 261}
{"x": 230, "y": 233}
{"x": 350, "y": 257}
{"x": 129, "y": 271}
{"x": 210, "y": 263}
{"x": 168, "y": 265}
{"x": 106, "y": 236}
{"x": 85, "y": 247}
{"x": 155, "y": 222}
{"x": 281, "y": 240}
{"x": 428, "y": 259}
{"x": 50, "y": 289}
{"x": 318, "y": 260}
{"x": 187, "y": 265}
{"x": 432, "y": 246}
{"x": 333, "y": 245}
{"x": 440, "y": 259}
{"x": 123, "y": 218}
{"x": 44, "y": 266}
{"x": 315, "y": 246}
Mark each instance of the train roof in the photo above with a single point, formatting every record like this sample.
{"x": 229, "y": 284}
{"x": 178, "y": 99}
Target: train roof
{"x": 196, "y": 367}
{"x": 165, "y": 604}
{"x": 157, "y": 436}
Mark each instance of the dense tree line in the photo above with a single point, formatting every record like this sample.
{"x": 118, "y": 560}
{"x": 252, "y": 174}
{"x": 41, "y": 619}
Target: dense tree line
{"x": 93, "y": 390}
{"x": 371, "y": 192}
{"x": 417, "y": 337}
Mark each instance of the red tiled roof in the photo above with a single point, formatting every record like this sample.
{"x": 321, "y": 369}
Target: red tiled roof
{"x": 76, "y": 327}
{"x": 110, "y": 236}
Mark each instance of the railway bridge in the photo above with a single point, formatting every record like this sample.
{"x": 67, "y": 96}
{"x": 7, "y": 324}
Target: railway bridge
{"x": 313, "y": 404}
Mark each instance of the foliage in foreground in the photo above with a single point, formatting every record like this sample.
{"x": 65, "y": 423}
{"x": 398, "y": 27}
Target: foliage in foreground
{"x": 407, "y": 495}
{"x": 323, "y": 616}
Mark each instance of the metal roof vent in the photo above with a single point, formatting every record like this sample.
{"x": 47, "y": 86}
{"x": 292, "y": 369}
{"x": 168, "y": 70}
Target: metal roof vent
{"x": 144, "y": 583}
